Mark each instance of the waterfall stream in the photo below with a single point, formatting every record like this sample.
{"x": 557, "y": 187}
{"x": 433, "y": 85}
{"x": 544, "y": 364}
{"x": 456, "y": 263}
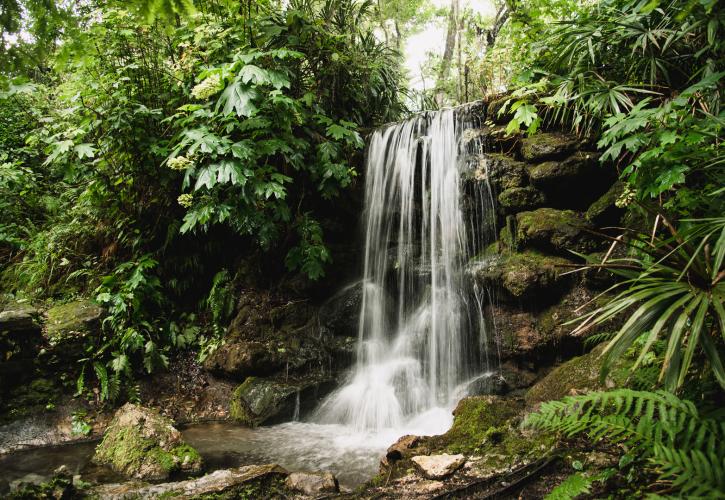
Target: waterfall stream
{"x": 421, "y": 331}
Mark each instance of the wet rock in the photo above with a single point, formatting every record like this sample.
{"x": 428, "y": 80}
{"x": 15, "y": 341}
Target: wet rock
{"x": 573, "y": 182}
{"x": 312, "y": 483}
{"x": 243, "y": 359}
{"x": 438, "y": 466}
{"x": 525, "y": 275}
{"x": 250, "y": 481}
{"x": 259, "y": 400}
{"x": 142, "y": 444}
{"x": 548, "y": 229}
{"x": 544, "y": 146}
{"x": 604, "y": 212}
{"x": 518, "y": 199}
{"x": 340, "y": 315}
{"x": 20, "y": 341}
{"x": 501, "y": 172}
{"x": 495, "y": 113}
{"x": 19, "y": 318}
{"x": 399, "y": 449}
{"x": 68, "y": 326}
{"x": 487, "y": 384}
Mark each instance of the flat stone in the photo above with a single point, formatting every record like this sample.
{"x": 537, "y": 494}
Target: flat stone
{"x": 20, "y": 319}
{"x": 312, "y": 483}
{"x": 219, "y": 482}
{"x": 438, "y": 466}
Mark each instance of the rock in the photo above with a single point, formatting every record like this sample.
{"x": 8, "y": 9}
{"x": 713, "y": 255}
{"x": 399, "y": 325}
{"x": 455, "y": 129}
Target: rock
{"x": 259, "y": 400}
{"x": 312, "y": 483}
{"x": 243, "y": 359}
{"x": 518, "y": 199}
{"x": 398, "y": 450}
{"x": 578, "y": 375}
{"x": 554, "y": 230}
{"x": 340, "y": 315}
{"x": 142, "y": 444}
{"x": 438, "y": 466}
{"x": 19, "y": 318}
{"x": 501, "y": 172}
{"x": 250, "y": 481}
{"x": 573, "y": 182}
{"x": 527, "y": 275}
{"x": 486, "y": 384}
{"x": 604, "y": 212}
{"x": 68, "y": 326}
{"x": 20, "y": 342}
{"x": 4, "y": 486}
{"x": 494, "y": 113}
{"x": 544, "y": 146}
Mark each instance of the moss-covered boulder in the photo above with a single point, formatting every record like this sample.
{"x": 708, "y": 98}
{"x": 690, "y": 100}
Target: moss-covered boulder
{"x": 502, "y": 171}
{"x": 545, "y": 146}
{"x": 604, "y": 210}
{"x": 242, "y": 359}
{"x": 20, "y": 341}
{"x": 518, "y": 199}
{"x": 261, "y": 400}
{"x": 553, "y": 230}
{"x": 69, "y": 325}
{"x": 573, "y": 182}
{"x": 528, "y": 275}
{"x": 141, "y": 444}
{"x": 578, "y": 375}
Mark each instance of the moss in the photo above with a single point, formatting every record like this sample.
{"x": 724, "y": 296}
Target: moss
{"x": 72, "y": 319}
{"x": 124, "y": 449}
{"x": 604, "y": 210}
{"x": 551, "y": 229}
{"x": 516, "y": 199}
{"x": 545, "y": 146}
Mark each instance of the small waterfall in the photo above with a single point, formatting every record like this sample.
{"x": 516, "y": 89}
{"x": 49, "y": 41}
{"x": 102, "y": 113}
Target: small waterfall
{"x": 422, "y": 333}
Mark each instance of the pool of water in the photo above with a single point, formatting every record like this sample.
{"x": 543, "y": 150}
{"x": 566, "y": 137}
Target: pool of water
{"x": 353, "y": 456}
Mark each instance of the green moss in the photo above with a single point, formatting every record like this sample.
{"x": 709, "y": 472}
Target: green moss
{"x": 543, "y": 146}
{"x": 124, "y": 449}
{"x": 516, "y": 199}
{"x": 551, "y": 229}
{"x": 71, "y": 320}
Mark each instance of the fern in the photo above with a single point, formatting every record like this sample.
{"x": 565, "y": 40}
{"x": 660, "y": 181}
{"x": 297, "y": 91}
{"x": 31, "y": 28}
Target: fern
{"x": 657, "y": 428}
{"x": 573, "y": 486}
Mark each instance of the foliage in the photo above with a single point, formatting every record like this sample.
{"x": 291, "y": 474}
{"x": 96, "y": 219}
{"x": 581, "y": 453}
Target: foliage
{"x": 673, "y": 291}
{"x": 658, "y": 432}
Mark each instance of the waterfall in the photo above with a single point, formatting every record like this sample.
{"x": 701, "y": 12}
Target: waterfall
{"x": 421, "y": 331}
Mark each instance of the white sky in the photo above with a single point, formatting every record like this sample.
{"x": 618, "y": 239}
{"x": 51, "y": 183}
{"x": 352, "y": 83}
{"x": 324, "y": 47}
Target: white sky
{"x": 433, "y": 39}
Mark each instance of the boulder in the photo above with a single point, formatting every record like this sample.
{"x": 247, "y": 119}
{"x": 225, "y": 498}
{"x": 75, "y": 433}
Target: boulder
{"x": 339, "y": 315}
{"x": 20, "y": 341}
{"x": 578, "y": 375}
{"x": 573, "y": 182}
{"x": 549, "y": 229}
{"x": 486, "y": 384}
{"x": 604, "y": 211}
{"x": 142, "y": 444}
{"x": 260, "y": 400}
{"x": 399, "y": 449}
{"x": 243, "y": 359}
{"x": 518, "y": 199}
{"x": 438, "y": 466}
{"x": 68, "y": 326}
{"x": 316, "y": 483}
{"x": 249, "y": 481}
{"x": 527, "y": 275}
{"x": 545, "y": 146}
{"x": 501, "y": 172}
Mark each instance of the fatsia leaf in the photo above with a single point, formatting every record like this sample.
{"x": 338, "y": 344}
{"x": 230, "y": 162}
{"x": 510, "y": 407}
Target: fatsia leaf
{"x": 254, "y": 75}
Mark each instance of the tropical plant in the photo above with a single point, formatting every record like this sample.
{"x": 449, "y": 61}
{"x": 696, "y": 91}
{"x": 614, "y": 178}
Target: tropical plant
{"x": 659, "y": 434}
{"x": 674, "y": 290}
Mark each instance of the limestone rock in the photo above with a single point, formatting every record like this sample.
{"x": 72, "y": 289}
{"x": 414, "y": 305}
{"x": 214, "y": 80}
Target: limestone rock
{"x": 260, "y": 400}
{"x": 501, "y": 172}
{"x": 518, "y": 199}
{"x": 142, "y": 444}
{"x": 544, "y": 146}
{"x": 312, "y": 483}
{"x": 242, "y": 359}
{"x": 438, "y": 466}
{"x": 549, "y": 229}
{"x": 251, "y": 481}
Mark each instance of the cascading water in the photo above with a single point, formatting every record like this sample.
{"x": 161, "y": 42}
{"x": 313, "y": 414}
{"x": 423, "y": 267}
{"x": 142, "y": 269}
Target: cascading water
{"x": 421, "y": 332}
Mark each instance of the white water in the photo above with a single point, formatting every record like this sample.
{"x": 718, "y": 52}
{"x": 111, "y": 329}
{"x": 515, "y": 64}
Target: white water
{"x": 421, "y": 332}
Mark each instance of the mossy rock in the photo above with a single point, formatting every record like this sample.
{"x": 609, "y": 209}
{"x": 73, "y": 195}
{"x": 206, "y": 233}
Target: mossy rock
{"x": 604, "y": 210}
{"x": 141, "y": 444}
{"x": 579, "y": 375}
{"x": 501, "y": 171}
{"x": 525, "y": 275}
{"x": 518, "y": 199}
{"x": 68, "y": 323}
{"x": 545, "y": 146}
{"x": 549, "y": 229}
{"x": 260, "y": 400}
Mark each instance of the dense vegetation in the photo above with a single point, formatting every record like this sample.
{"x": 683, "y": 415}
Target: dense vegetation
{"x": 147, "y": 146}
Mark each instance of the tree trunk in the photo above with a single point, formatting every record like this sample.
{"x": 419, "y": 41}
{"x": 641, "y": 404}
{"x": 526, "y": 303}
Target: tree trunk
{"x": 448, "y": 51}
